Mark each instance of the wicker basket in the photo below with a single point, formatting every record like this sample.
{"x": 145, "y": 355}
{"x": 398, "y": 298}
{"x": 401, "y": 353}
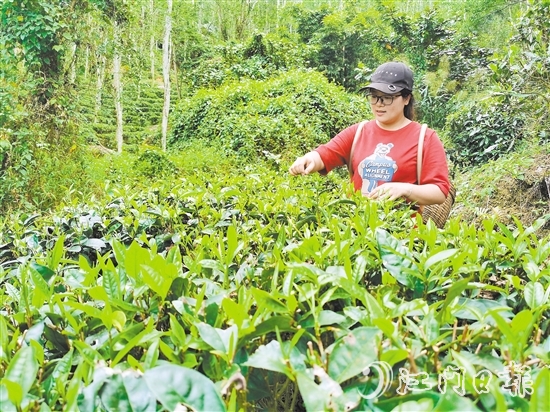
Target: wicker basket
{"x": 439, "y": 213}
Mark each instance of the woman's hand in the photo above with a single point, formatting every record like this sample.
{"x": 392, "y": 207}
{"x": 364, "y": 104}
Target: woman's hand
{"x": 309, "y": 163}
{"x": 392, "y": 191}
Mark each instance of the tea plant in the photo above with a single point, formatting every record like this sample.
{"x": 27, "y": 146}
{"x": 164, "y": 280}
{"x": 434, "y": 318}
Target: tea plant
{"x": 251, "y": 289}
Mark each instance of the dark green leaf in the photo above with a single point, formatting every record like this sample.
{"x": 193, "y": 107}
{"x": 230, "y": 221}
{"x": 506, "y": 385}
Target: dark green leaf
{"x": 44, "y": 271}
{"x": 397, "y": 260}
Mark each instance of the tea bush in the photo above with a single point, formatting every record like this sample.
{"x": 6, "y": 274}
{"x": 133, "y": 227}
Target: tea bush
{"x": 154, "y": 164}
{"x": 285, "y": 115}
{"x": 252, "y": 289}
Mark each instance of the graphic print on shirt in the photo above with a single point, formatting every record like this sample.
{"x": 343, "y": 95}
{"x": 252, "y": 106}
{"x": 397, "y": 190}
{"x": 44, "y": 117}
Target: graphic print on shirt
{"x": 377, "y": 167}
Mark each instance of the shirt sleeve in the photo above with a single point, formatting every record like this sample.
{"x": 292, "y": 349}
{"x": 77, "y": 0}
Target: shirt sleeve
{"x": 434, "y": 163}
{"x": 336, "y": 152}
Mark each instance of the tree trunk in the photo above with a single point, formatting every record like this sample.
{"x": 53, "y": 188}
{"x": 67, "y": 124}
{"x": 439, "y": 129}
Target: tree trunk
{"x": 117, "y": 83}
{"x": 152, "y": 43}
{"x": 100, "y": 69}
{"x": 166, "y": 73}
{"x": 152, "y": 56}
{"x": 118, "y": 99}
{"x": 175, "y": 67}
{"x": 72, "y": 75}
{"x": 86, "y": 63}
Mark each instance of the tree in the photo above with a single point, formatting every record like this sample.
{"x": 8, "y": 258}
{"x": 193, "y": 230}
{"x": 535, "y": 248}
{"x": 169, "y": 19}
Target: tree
{"x": 117, "y": 84}
{"x": 166, "y": 72}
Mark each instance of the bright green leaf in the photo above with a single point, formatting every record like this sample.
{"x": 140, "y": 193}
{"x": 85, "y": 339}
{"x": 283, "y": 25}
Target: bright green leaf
{"x": 266, "y": 301}
{"x": 23, "y": 369}
{"x": 173, "y": 385}
{"x": 348, "y": 356}
{"x": 540, "y": 399}
{"x": 534, "y": 294}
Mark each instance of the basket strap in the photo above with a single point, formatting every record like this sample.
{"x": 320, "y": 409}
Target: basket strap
{"x": 419, "y": 153}
{"x": 355, "y": 139}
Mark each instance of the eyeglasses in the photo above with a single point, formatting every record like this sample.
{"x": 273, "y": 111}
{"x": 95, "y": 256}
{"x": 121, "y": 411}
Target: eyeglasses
{"x": 386, "y": 100}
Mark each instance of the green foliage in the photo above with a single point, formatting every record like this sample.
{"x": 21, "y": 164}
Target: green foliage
{"x": 16, "y": 156}
{"x": 154, "y": 164}
{"x": 192, "y": 290}
{"x": 309, "y": 21}
{"x": 255, "y": 48}
{"x": 30, "y": 31}
{"x": 484, "y": 130}
{"x": 523, "y": 70}
{"x": 192, "y": 280}
{"x": 488, "y": 20}
{"x": 284, "y": 116}
{"x": 263, "y": 57}
{"x": 41, "y": 154}
{"x": 339, "y": 42}
{"x": 340, "y": 47}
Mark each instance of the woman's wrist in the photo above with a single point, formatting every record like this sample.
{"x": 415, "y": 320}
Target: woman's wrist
{"x": 409, "y": 193}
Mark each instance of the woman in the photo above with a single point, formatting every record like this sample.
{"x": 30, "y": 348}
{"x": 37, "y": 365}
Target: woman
{"x": 385, "y": 154}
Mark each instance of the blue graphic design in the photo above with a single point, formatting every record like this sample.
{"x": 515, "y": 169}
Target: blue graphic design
{"x": 377, "y": 167}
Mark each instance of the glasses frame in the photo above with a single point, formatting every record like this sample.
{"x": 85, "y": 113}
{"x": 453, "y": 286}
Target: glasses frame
{"x": 374, "y": 99}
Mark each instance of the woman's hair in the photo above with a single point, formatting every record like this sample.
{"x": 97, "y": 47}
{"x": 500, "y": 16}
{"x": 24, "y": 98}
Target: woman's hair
{"x": 408, "y": 110}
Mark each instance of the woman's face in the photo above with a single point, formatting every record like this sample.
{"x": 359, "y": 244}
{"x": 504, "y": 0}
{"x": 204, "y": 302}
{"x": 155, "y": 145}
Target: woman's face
{"x": 387, "y": 108}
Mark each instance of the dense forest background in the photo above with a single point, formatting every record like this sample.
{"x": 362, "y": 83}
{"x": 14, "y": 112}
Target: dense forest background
{"x": 260, "y": 79}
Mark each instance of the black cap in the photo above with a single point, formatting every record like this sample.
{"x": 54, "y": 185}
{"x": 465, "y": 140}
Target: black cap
{"x": 391, "y": 78}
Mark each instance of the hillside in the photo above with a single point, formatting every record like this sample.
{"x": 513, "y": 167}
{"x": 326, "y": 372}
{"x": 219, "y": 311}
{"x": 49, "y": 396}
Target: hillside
{"x": 514, "y": 186}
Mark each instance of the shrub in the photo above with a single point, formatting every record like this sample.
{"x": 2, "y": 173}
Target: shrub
{"x": 286, "y": 115}
{"x": 484, "y": 129}
{"x": 152, "y": 163}
{"x": 260, "y": 59}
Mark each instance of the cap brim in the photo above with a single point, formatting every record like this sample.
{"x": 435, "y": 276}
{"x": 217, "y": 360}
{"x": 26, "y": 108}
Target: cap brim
{"x": 383, "y": 87}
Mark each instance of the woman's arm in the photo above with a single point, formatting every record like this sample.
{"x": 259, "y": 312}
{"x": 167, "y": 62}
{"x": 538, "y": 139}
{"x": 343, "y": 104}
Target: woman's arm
{"x": 429, "y": 194}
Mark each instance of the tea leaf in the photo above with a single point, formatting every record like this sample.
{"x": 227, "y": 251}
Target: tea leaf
{"x": 349, "y": 356}
{"x": 265, "y": 300}
{"x": 534, "y": 294}
{"x": 114, "y": 396}
{"x": 14, "y": 392}
{"x": 140, "y": 397}
{"x": 173, "y": 385}
{"x": 540, "y": 399}
{"x": 57, "y": 252}
{"x": 397, "y": 259}
{"x": 22, "y": 371}
{"x": 219, "y": 339}
{"x": 271, "y": 357}
{"x": 318, "y": 397}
